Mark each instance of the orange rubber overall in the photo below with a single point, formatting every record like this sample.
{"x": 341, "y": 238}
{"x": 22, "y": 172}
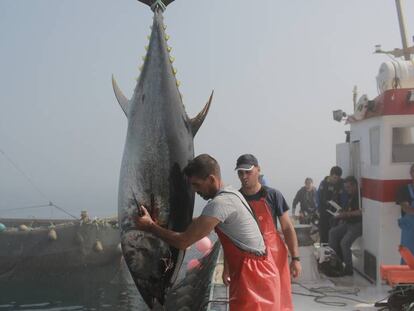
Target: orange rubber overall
{"x": 277, "y": 248}
{"x": 254, "y": 280}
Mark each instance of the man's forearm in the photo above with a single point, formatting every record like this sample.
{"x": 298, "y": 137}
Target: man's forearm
{"x": 175, "y": 239}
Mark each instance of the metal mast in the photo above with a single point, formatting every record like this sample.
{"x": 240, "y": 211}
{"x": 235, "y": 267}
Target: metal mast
{"x": 401, "y": 21}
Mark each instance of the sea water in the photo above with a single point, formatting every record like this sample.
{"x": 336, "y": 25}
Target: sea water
{"x": 90, "y": 292}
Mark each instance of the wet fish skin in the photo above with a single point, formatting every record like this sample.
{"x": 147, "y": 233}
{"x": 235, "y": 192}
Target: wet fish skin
{"x": 158, "y": 146}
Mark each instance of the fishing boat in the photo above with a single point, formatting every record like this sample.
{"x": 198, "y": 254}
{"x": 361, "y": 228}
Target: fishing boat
{"x": 378, "y": 150}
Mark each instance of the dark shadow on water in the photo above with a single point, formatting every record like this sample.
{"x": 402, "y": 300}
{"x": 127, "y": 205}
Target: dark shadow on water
{"x": 98, "y": 289}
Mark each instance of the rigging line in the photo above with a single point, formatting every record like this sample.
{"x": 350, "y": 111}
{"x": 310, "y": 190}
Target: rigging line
{"x": 33, "y": 184}
{"x": 24, "y": 207}
{"x": 23, "y": 173}
{"x": 63, "y": 210}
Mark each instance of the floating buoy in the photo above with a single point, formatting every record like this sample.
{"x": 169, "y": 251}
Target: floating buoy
{"x": 97, "y": 246}
{"x": 193, "y": 263}
{"x": 2, "y": 227}
{"x": 52, "y": 235}
{"x": 204, "y": 245}
{"x": 23, "y": 228}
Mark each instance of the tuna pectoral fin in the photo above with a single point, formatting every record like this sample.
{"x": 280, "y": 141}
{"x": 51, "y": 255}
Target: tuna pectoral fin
{"x": 122, "y": 100}
{"x": 199, "y": 119}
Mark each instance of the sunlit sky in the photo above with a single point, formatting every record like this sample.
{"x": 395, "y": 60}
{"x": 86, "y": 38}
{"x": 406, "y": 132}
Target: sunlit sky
{"x": 278, "y": 69}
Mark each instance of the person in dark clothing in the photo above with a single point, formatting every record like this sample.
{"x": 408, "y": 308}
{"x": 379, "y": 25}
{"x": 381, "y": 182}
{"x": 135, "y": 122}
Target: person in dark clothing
{"x": 349, "y": 227}
{"x": 306, "y": 197}
{"x": 405, "y": 198}
{"x": 330, "y": 189}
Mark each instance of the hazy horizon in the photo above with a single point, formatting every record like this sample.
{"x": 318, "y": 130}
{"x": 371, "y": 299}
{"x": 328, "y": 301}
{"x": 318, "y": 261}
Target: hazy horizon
{"x": 278, "y": 69}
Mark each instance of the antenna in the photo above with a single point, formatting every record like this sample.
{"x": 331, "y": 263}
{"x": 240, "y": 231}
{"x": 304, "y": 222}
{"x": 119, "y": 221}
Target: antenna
{"x": 406, "y": 51}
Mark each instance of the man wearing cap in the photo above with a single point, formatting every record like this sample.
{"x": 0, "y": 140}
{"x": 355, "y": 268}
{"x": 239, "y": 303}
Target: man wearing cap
{"x": 253, "y": 272}
{"x": 268, "y": 205}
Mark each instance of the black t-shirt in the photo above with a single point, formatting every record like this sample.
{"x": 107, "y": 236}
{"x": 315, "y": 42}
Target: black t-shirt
{"x": 403, "y": 195}
{"x": 353, "y": 205}
{"x": 274, "y": 198}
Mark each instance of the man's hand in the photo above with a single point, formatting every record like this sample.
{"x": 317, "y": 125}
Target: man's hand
{"x": 145, "y": 221}
{"x": 226, "y": 277}
{"x": 295, "y": 268}
{"x": 341, "y": 214}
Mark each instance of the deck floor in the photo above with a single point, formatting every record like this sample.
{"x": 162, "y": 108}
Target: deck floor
{"x": 343, "y": 293}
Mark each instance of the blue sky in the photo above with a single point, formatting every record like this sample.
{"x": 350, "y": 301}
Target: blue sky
{"x": 278, "y": 69}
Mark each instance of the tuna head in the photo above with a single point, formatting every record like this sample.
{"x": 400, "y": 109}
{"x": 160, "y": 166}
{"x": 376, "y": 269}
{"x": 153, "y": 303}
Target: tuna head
{"x": 158, "y": 146}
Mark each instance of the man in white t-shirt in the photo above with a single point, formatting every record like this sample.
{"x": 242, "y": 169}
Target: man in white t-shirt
{"x": 253, "y": 274}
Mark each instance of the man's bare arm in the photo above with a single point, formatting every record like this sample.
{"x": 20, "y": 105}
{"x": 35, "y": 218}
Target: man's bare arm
{"x": 199, "y": 228}
{"x": 292, "y": 243}
{"x": 289, "y": 234}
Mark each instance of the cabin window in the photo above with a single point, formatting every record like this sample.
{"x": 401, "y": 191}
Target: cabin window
{"x": 403, "y": 144}
{"x": 374, "y": 145}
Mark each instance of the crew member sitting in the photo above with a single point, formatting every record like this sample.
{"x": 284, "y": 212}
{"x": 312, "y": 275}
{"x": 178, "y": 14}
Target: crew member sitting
{"x": 349, "y": 227}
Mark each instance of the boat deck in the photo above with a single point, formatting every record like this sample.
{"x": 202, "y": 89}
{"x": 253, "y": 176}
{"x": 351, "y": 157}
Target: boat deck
{"x": 341, "y": 293}
{"x": 327, "y": 293}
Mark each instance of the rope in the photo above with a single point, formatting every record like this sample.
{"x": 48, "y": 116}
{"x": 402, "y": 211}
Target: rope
{"x": 24, "y": 207}
{"x": 50, "y": 204}
{"x": 34, "y": 186}
{"x": 323, "y": 293}
{"x": 23, "y": 173}
{"x": 62, "y": 210}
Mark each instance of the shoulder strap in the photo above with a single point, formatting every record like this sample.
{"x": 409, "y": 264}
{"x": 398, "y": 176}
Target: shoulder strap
{"x": 244, "y": 202}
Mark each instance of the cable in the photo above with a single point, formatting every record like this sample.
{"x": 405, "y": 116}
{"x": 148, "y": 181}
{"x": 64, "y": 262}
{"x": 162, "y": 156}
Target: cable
{"x": 325, "y": 292}
{"x": 23, "y": 173}
{"x": 62, "y": 210}
{"x": 35, "y": 187}
{"x": 24, "y": 207}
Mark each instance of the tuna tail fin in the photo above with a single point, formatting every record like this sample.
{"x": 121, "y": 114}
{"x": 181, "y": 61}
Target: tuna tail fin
{"x": 157, "y": 3}
{"x": 122, "y": 100}
{"x": 199, "y": 119}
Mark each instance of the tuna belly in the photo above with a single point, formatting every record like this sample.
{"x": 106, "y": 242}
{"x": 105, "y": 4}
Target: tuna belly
{"x": 151, "y": 263}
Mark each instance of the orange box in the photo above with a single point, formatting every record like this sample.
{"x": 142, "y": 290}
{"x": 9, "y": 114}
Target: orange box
{"x": 385, "y": 269}
{"x": 400, "y": 277}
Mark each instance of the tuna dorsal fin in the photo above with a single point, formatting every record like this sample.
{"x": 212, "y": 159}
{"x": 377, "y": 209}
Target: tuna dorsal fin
{"x": 199, "y": 119}
{"x": 122, "y": 100}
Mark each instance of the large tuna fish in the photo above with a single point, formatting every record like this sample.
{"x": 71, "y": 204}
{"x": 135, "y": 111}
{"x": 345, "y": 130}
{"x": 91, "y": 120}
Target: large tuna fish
{"x": 158, "y": 146}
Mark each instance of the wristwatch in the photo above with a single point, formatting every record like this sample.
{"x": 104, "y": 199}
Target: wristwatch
{"x": 297, "y": 258}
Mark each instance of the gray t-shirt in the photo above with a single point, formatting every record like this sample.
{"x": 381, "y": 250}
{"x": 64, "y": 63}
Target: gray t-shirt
{"x": 236, "y": 220}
